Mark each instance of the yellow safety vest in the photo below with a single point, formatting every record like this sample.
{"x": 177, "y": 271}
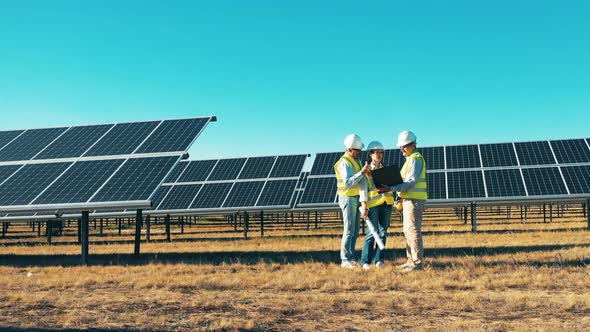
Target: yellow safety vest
{"x": 355, "y": 164}
{"x": 420, "y": 190}
{"x": 375, "y": 198}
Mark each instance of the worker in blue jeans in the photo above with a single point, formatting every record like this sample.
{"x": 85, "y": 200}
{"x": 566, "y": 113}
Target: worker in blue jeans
{"x": 380, "y": 207}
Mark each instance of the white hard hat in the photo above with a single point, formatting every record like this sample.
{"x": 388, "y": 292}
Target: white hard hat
{"x": 353, "y": 141}
{"x": 375, "y": 145}
{"x": 406, "y": 137}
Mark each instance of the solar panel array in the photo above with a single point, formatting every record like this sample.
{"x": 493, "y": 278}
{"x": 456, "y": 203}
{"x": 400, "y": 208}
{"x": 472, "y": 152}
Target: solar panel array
{"x": 254, "y": 183}
{"x": 120, "y": 162}
{"x": 500, "y": 172}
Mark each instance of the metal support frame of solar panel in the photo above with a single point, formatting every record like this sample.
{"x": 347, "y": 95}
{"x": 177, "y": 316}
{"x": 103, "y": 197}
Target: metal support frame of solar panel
{"x": 71, "y": 153}
{"x": 230, "y": 185}
{"x": 448, "y": 167}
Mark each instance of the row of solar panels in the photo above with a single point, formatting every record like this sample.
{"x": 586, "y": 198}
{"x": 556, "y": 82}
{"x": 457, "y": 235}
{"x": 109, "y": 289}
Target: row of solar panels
{"x": 570, "y": 151}
{"x": 100, "y": 140}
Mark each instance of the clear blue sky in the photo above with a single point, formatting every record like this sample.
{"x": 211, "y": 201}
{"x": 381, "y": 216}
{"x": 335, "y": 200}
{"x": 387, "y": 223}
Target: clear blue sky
{"x": 289, "y": 77}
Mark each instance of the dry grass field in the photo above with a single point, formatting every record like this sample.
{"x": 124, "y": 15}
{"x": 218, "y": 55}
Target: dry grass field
{"x": 512, "y": 275}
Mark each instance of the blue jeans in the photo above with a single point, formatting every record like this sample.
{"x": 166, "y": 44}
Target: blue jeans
{"x": 352, "y": 222}
{"x": 379, "y": 216}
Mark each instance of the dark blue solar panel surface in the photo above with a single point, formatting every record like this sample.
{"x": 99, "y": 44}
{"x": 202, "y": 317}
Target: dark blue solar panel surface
{"x": 437, "y": 185}
{"x": 7, "y": 171}
{"x": 543, "y": 181}
{"x": 571, "y": 151}
{"x": 497, "y": 155}
{"x": 27, "y": 145}
{"x": 137, "y": 179}
{"x": 29, "y": 182}
{"x": 577, "y": 179}
{"x": 504, "y": 183}
{"x": 159, "y": 195}
{"x": 302, "y": 180}
{"x": 319, "y": 190}
{"x": 74, "y": 142}
{"x": 80, "y": 182}
{"x": 277, "y": 193}
{"x": 462, "y": 156}
{"x": 288, "y": 166}
{"x": 227, "y": 169}
{"x": 211, "y": 196}
{"x": 7, "y": 136}
{"x": 465, "y": 184}
{"x": 393, "y": 157}
{"x": 176, "y": 172}
{"x": 123, "y": 138}
{"x": 324, "y": 163}
{"x": 434, "y": 157}
{"x": 244, "y": 194}
{"x": 534, "y": 153}
{"x": 180, "y": 197}
{"x": 257, "y": 168}
{"x": 173, "y": 135}
{"x": 197, "y": 171}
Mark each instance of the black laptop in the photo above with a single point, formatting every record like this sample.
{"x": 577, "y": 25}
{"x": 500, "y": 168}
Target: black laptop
{"x": 388, "y": 175}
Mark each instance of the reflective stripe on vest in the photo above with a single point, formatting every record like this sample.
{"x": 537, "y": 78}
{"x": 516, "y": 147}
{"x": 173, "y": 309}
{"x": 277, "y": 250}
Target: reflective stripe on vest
{"x": 375, "y": 198}
{"x": 354, "y": 190}
{"x": 420, "y": 190}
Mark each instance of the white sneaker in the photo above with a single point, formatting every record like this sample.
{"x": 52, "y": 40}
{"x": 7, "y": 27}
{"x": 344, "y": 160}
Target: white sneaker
{"x": 379, "y": 264}
{"x": 348, "y": 264}
{"x": 366, "y": 266}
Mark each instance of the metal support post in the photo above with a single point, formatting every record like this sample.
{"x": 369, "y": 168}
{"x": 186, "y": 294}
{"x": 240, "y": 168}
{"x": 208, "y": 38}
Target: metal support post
{"x": 544, "y": 212}
{"x": 84, "y": 236}
{"x": 261, "y": 223}
{"x": 167, "y": 222}
{"x": 101, "y": 227}
{"x": 551, "y": 212}
{"x": 147, "y": 229}
{"x": 181, "y": 221}
{"x": 465, "y": 214}
{"x": 48, "y": 231}
{"x": 307, "y": 226}
{"x": 246, "y": 224}
{"x": 588, "y": 211}
{"x": 79, "y": 230}
{"x": 119, "y": 224}
{"x": 316, "y": 219}
{"x": 474, "y": 217}
{"x": 138, "y": 222}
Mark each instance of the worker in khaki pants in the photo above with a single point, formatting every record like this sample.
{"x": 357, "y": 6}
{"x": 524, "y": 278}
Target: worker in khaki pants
{"x": 413, "y": 192}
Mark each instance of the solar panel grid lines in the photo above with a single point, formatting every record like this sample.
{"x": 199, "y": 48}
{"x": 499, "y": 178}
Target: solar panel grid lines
{"x": 288, "y": 166}
{"x": 320, "y": 190}
{"x": 159, "y": 196}
{"x": 212, "y": 195}
{"x": 28, "y": 182}
{"x": 74, "y": 142}
{"x": 277, "y": 193}
{"x": 577, "y": 178}
{"x": 29, "y": 143}
{"x": 6, "y": 137}
{"x": 463, "y": 157}
{"x": 465, "y": 184}
{"x": 227, "y": 169}
{"x": 78, "y": 182}
{"x": 534, "y": 153}
{"x": 324, "y": 163}
{"x": 543, "y": 181}
{"x": 434, "y": 157}
{"x": 526, "y": 190}
{"x": 185, "y": 132}
{"x": 123, "y": 138}
{"x": 197, "y": 170}
{"x": 176, "y": 172}
{"x": 570, "y": 151}
{"x": 564, "y": 182}
{"x": 257, "y": 168}
{"x": 6, "y": 172}
{"x": 159, "y": 123}
{"x": 437, "y": 187}
{"x": 498, "y": 155}
{"x": 180, "y": 197}
{"x": 504, "y": 183}
{"x": 243, "y": 194}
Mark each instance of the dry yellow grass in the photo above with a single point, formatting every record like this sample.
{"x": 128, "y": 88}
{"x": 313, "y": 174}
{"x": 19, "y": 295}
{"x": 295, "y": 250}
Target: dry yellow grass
{"x": 511, "y": 276}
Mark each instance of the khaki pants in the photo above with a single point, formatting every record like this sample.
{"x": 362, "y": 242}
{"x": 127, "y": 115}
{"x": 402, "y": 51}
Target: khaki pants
{"x": 413, "y": 211}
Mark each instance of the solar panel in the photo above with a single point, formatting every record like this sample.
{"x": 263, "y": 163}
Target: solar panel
{"x": 437, "y": 185}
{"x": 197, "y": 171}
{"x": 277, "y": 193}
{"x": 302, "y": 180}
{"x": 7, "y": 171}
{"x": 123, "y": 138}
{"x": 180, "y": 197}
{"x": 434, "y": 157}
{"x": 324, "y": 163}
{"x": 465, "y": 184}
{"x": 393, "y": 157}
{"x": 184, "y": 133}
{"x": 159, "y": 195}
{"x": 571, "y": 151}
{"x": 7, "y": 136}
{"x": 29, "y": 182}
{"x": 211, "y": 196}
{"x": 534, "y": 153}
{"x": 319, "y": 191}
{"x": 31, "y": 142}
{"x": 257, "y": 168}
{"x": 543, "y": 181}
{"x": 80, "y": 181}
{"x": 577, "y": 179}
{"x": 497, "y": 155}
{"x": 244, "y": 194}
{"x": 74, "y": 142}
{"x": 463, "y": 156}
{"x": 137, "y": 179}
{"x": 504, "y": 183}
{"x": 227, "y": 169}
{"x": 288, "y": 166}
{"x": 176, "y": 172}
